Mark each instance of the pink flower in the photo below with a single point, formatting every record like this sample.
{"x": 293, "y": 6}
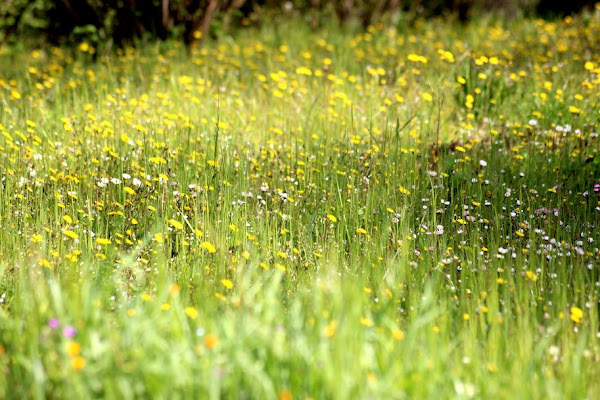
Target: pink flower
{"x": 69, "y": 331}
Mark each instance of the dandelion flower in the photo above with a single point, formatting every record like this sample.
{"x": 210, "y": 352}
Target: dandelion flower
{"x": 71, "y": 234}
{"x": 103, "y": 241}
{"x": 211, "y": 341}
{"x": 78, "y": 363}
{"x": 227, "y": 283}
{"x": 174, "y": 289}
{"x": 176, "y": 224}
{"x": 209, "y": 247}
{"x": 191, "y": 312}
{"x": 73, "y": 348}
{"x": 397, "y": 334}
{"x": 285, "y": 395}
{"x": 330, "y": 329}
{"x": 576, "y": 314}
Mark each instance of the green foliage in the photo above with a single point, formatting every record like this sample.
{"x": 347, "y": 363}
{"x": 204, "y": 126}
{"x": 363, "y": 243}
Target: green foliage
{"x": 115, "y": 20}
{"x": 124, "y": 21}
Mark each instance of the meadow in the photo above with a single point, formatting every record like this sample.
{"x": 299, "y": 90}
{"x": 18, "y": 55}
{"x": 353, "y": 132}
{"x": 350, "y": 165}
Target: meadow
{"x": 410, "y": 211}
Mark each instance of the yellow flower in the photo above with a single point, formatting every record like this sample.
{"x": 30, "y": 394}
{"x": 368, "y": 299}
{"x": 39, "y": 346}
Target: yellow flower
{"x": 174, "y": 289}
{"x": 397, "y": 334}
{"x": 220, "y": 297}
{"x": 280, "y": 267}
{"x": 157, "y": 160}
{"x": 209, "y": 247}
{"x": 417, "y": 58}
{"x": 71, "y": 234}
{"x": 576, "y": 314}
{"x": 176, "y": 224}
{"x": 403, "y": 190}
{"x": 103, "y": 241}
{"x": 285, "y": 395}
{"x": 331, "y": 218}
{"x": 303, "y": 71}
{"x": 575, "y": 110}
{"x": 531, "y": 275}
{"x": 73, "y": 348}
{"x": 78, "y": 363}
{"x": 330, "y": 329}
{"x": 227, "y": 283}
{"x": 211, "y": 341}
{"x": 191, "y": 312}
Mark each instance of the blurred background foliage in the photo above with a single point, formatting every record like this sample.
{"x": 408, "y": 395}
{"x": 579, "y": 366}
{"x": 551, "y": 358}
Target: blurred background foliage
{"x": 118, "y": 22}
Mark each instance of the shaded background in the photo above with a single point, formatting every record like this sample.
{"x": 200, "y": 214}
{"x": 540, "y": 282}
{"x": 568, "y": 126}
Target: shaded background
{"x": 124, "y": 21}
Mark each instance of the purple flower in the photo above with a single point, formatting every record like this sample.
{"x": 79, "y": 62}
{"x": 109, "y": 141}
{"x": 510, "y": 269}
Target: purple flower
{"x": 69, "y": 331}
{"x": 53, "y": 323}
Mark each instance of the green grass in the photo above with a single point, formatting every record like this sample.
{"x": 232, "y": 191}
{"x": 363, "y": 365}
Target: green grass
{"x": 409, "y": 212}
